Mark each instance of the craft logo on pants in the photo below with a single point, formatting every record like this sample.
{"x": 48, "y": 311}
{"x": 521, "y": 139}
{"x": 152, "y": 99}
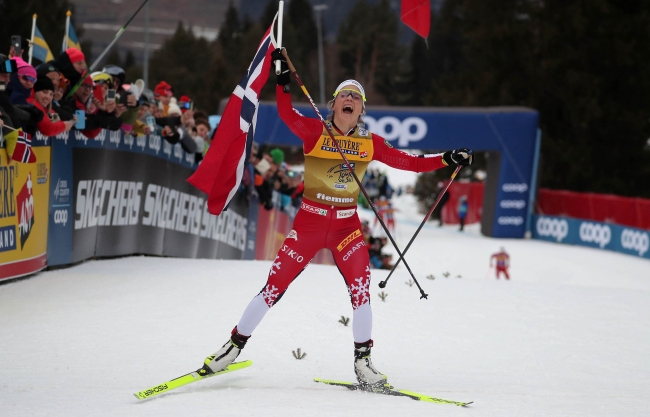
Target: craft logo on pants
{"x": 349, "y": 239}
{"x": 25, "y": 203}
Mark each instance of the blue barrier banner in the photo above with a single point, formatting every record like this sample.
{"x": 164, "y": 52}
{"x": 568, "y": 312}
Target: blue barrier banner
{"x": 627, "y": 240}
{"x": 118, "y": 194}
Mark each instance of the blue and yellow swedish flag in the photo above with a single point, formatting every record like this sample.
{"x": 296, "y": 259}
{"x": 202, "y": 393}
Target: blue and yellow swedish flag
{"x": 73, "y": 41}
{"x": 40, "y": 49}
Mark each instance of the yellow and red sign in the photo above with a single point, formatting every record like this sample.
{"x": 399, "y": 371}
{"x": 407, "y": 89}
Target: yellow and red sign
{"x": 24, "y": 195}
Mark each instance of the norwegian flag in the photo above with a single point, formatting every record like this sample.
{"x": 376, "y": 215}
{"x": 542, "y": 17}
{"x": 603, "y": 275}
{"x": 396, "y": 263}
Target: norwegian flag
{"x": 23, "y": 150}
{"x": 416, "y": 14}
{"x": 222, "y": 168}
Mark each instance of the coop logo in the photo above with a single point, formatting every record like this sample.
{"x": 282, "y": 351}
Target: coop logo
{"x": 558, "y": 229}
{"x": 514, "y": 187}
{"x": 512, "y": 204}
{"x": 635, "y": 240}
{"x": 411, "y": 129}
{"x": 129, "y": 140}
{"x": 64, "y": 136}
{"x": 155, "y": 143}
{"x": 178, "y": 152}
{"x": 25, "y": 203}
{"x": 101, "y": 136}
{"x": 510, "y": 220}
{"x": 595, "y": 233}
{"x": 114, "y": 137}
{"x": 80, "y": 137}
{"x": 61, "y": 217}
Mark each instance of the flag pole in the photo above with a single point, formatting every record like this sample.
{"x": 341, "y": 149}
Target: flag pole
{"x": 108, "y": 48}
{"x": 280, "y": 14}
{"x": 117, "y": 36}
{"x": 31, "y": 43}
{"x": 67, "y": 31}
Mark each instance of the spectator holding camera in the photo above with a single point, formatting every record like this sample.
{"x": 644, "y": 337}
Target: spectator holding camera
{"x": 95, "y": 119}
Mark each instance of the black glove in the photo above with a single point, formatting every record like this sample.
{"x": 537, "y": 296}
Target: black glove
{"x": 285, "y": 75}
{"x": 35, "y": 115}
{"x": 462, "y": 156}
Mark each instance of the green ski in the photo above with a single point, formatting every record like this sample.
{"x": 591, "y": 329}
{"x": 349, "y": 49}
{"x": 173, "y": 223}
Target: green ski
{"x": 197, "y": 375}
{"x": 389, "y": 390}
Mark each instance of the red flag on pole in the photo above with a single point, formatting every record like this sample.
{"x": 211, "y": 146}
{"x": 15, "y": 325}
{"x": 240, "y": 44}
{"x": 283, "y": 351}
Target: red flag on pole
{"x": 222, "y": 168}
{"x": 416, "y": 14}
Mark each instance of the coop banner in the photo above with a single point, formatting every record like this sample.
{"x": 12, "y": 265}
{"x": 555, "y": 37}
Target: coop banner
{"x": 628, "y": 240}
{"x": 24, "y": 213}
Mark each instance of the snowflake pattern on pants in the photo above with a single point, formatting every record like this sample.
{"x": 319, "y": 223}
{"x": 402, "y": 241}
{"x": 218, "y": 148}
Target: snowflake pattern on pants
{"x": 275, "y": 265}
{"x": 360, "y": 293}
{"x": 270, "y": 295}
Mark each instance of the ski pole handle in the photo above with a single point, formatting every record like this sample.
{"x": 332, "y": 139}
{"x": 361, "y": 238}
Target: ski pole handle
{"x": 289, "y": 63}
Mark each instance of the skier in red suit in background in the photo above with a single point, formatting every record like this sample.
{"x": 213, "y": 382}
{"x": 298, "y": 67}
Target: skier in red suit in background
{"x": 327, "y": 217}
{"x": 502, "y": 263}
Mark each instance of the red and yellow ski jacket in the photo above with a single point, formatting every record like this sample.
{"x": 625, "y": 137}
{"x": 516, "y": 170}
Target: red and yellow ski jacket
{"x": 327, "y": 178}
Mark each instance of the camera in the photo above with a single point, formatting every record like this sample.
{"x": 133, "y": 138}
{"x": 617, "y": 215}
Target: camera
{"x": 7, "y": 65}
{"x": 17, "y": 43}
{"x": 110, "y": 96}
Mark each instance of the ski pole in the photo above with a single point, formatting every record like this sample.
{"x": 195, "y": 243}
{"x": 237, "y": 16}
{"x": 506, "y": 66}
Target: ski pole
{"x": 382, "y": 284}
{"x": 487, "y": 274}
{"x": 361, "y": 187}
{"x": 108, "y": 48}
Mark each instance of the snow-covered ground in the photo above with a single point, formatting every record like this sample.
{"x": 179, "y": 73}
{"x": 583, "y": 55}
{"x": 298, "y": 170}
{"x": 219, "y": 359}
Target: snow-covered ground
{"x": 569, "y": 335}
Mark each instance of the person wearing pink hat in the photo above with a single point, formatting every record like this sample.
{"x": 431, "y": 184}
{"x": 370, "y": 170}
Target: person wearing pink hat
{"x": 21, "y": 83}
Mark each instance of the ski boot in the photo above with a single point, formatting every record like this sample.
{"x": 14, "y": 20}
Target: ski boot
{"x": 367, "y": 374}
{"x": 226, "y": 355}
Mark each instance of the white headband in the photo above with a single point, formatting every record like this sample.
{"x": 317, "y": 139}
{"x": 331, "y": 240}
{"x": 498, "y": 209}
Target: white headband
{"x": 354, "y": 83}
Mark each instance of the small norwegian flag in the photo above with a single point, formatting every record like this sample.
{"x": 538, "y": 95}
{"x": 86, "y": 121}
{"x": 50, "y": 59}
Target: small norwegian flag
{"x": 222, "y": 168}
{"x": 22, "y": 151}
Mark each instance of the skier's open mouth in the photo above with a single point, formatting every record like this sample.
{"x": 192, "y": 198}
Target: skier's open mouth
{"x": 347, "y": 109}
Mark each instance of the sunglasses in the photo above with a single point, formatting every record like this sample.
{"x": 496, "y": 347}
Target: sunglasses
{"x": 356, "y": 96}
{"x": 100, "y": 82}
{"x": 28, "y": 78}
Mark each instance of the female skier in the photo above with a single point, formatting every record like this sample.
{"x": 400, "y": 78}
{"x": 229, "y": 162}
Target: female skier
{"x": 327, "y": 217}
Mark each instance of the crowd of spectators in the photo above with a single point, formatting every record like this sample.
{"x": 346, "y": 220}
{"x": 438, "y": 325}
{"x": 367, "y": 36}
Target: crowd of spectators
{"x": 61, "y": 95}
{"x": 268, "y": 172}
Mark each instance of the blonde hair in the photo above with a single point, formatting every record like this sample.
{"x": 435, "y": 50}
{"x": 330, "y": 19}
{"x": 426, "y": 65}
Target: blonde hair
{"x": 330, "y": 115}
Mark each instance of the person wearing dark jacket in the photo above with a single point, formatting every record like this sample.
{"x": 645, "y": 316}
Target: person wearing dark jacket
{"x": 72, "y": 64}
